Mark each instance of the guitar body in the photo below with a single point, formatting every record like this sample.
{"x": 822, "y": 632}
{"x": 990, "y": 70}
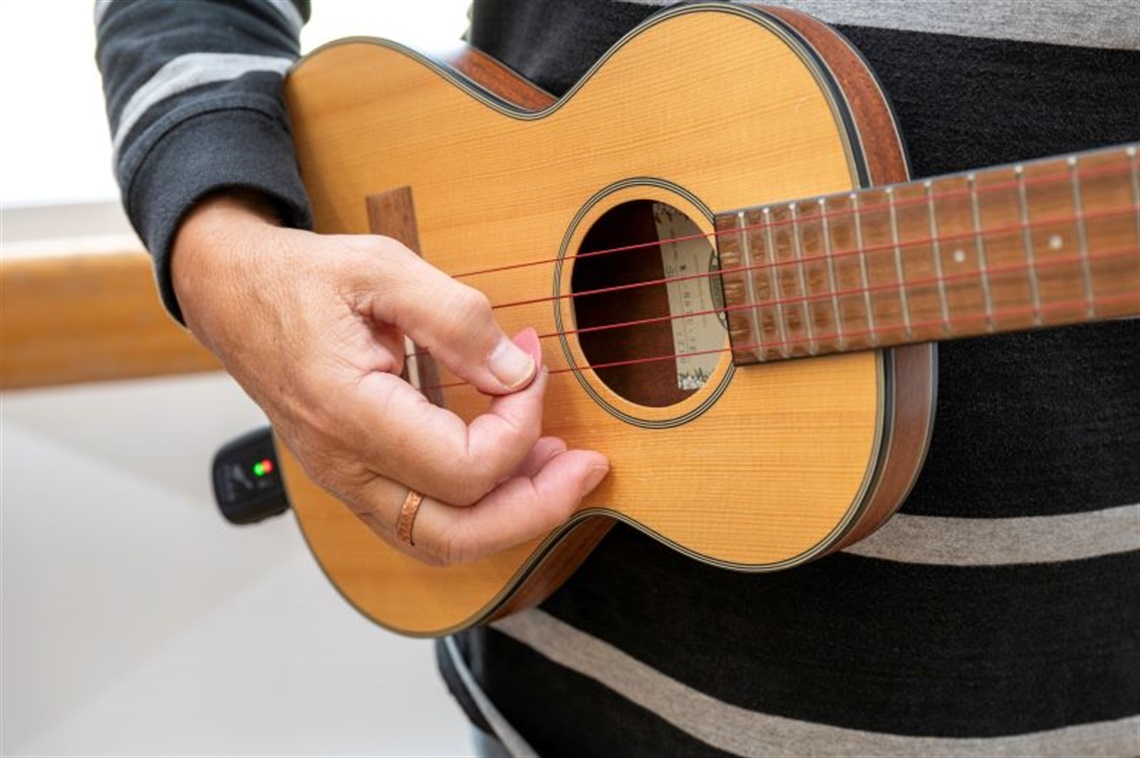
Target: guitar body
{"x": 700, "y": 110}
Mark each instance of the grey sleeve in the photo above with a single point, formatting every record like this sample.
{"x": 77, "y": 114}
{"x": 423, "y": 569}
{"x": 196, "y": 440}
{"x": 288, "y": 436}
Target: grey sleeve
{"x": 193, "y": 94}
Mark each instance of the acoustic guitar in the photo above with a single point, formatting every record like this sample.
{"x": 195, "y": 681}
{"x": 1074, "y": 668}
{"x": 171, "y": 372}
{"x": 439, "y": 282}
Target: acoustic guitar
{"x": 736, "y": 287}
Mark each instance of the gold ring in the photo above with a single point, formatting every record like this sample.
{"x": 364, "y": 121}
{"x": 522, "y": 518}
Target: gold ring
{"x": 407, "y": 517}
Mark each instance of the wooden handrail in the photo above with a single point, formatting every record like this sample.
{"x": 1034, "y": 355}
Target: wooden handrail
{"x": 86, "y": 317}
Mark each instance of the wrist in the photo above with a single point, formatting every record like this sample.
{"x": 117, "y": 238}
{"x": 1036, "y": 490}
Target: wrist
{"x": 213, "y": 237}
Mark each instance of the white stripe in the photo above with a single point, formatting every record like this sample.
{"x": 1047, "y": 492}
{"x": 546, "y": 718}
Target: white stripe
{"x": 738, "y": 730}
{"x": 289, "y": 12}
{"x": 943, "y": 541}
{"x": 1090, "y": 23}
{"x": 188, "y": 71}
{"x": 286, "y": 8}
{"x": 101, "y": 7}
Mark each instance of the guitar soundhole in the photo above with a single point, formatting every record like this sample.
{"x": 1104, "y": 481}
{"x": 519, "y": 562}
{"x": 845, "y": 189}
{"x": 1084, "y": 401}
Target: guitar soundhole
{"x": 648, "y": 313}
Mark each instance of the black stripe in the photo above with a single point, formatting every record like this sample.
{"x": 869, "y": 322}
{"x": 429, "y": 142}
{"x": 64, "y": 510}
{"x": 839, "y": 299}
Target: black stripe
{"x": 551, "y": 43}
{"x": 1035, "y": 424}
{"x": 966, "y": 103}
{"x": 869, "y": 644}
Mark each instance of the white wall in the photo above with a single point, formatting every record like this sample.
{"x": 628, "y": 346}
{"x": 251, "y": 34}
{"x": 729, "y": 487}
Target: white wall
{"x": 133, "y": 619}
{"x": 54, "y": 140}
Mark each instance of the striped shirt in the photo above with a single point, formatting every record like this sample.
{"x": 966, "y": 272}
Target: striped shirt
{"x": 996, "y": 614}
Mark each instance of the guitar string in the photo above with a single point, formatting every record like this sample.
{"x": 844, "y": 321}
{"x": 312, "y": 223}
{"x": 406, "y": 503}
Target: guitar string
{"x": 1063, "y": 179}
{"x": 847, "y": 333}
{"x": 870, "y": 250}
{"x": 1078, "y": 304}
{"x": 857, "y": 251}
{"x": 783, "y": 302}
{"x": 1056, "y": 306}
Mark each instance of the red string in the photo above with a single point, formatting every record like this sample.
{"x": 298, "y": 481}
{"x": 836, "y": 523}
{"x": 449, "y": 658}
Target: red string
{"x": 1103, "y": 255}
{"x": 864, "y": 251}
{"x": 1011, "y": 311}
{"x": 872, "y": 288}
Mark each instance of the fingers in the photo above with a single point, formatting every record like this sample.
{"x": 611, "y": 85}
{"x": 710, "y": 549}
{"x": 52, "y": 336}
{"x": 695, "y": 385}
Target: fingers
{"x": 432, "y": 450}
{"x": 450, "y": 320}
{"x": 550, "y": 486}
{"x": 403, "y": 436}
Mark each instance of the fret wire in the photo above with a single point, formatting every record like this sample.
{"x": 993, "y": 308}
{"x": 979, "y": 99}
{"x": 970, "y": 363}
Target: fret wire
{"x": 898, "y": 262}
{"x": 863, "y": 267}
{"x": 1027, "y": 240}
{"x": 936, "y": 249}
{"x": 1134, "y": 168}
{"x": 797, "y": 249}
{"x": 750, "y": 285}
{"x": 980, "y": 246}
{"x": 840, "y": 339}
{"x": 773, "y": 284}
{"x": 1082, "y": 237}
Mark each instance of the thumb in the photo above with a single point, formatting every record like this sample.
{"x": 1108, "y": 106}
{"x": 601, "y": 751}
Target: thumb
{"x": 453, "y": 322}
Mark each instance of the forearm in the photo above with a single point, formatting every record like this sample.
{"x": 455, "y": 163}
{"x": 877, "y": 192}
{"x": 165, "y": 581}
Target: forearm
{"x": 193, "y": 98}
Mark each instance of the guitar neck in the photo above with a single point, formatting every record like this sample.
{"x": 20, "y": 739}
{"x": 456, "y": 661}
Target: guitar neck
{"x": 1033, "y": 245}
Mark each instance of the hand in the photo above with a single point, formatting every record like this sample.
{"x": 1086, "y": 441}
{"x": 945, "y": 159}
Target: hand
{"x": 312, "y": 328}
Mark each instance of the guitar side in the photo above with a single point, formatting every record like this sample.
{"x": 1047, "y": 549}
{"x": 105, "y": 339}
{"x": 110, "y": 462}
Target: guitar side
{"x": 761, "y": 467}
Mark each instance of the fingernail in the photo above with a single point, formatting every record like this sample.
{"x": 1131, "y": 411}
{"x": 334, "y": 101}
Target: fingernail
{"x": 596, "y": 475}
{"x": 511, "y": 365}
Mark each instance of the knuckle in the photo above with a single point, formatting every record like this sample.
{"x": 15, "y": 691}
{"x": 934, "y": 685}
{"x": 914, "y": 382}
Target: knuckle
{"x": 373, "y": 247}
{"x": 470, "y": 305}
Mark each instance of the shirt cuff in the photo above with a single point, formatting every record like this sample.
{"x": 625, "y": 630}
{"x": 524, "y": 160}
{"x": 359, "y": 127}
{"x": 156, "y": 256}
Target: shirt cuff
{"x": 242, "y": 148}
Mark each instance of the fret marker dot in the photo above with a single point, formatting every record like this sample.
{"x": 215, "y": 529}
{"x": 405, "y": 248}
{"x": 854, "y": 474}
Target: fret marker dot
{"x": 959, "y": 256}
{"x": 1055, "y": 242}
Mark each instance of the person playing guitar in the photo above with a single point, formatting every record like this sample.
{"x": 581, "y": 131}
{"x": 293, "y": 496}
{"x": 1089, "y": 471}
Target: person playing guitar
{"x": 995, "y": 615}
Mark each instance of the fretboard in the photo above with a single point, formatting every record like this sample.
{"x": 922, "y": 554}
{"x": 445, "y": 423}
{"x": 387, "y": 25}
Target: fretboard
{"x": 1011, "y": 248}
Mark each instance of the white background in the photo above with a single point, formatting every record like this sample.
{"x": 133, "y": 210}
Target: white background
{"x": 134, "y": 620}
{"x": 56, "y": 144}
